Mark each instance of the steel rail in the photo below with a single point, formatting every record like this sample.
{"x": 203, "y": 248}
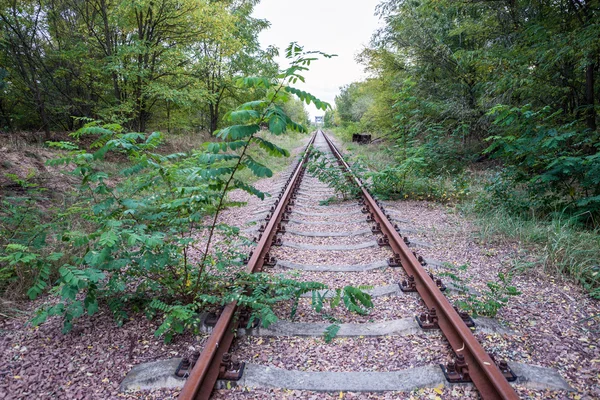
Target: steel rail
{"x": 204, "y": 375}
{"x": 488, "y": 379}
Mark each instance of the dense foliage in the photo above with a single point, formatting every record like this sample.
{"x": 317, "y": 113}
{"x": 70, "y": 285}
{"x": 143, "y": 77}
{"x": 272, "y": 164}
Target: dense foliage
{"x": 166, "y": 64}
{"x": 144, "y": 239}
{"x": 466, "y": 81}
{"x": 493, "y": 102}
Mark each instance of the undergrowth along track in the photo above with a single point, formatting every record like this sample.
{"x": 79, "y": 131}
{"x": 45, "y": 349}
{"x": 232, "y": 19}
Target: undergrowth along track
{"x": 472, "y": 362}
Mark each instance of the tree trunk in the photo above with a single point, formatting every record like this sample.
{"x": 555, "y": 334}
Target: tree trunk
{"x": 589, "y": 96}
{"x": 214, "y": 117}
{"x": 168, "y": 117}
{"x": 5, "y": 116}
{"x": 41, "y": 106}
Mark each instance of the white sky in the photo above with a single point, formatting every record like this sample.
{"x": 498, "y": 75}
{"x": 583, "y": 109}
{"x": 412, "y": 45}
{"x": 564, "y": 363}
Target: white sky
{"x": 341, "y": 27}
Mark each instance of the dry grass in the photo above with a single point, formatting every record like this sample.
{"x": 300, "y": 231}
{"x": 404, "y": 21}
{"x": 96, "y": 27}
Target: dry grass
{"x": 184, "y": 143}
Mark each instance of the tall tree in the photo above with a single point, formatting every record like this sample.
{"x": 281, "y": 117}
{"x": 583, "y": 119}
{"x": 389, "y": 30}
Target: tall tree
{"x": 128, "y": 61}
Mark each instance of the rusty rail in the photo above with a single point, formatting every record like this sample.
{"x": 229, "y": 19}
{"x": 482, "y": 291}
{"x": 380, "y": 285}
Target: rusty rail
{"x": 484, "y": 373}
{"x": 204, "y": 375}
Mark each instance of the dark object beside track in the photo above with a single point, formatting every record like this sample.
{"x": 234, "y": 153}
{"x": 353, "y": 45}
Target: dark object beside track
{"x": 361, "y": 138}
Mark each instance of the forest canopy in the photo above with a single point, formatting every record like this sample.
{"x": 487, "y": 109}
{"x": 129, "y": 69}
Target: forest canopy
{"x": 453, "y": 82}
{"x": 165, "y": 64}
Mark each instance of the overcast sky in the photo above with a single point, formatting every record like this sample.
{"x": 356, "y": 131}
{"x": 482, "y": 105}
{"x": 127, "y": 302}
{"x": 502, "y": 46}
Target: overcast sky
{"x": 340, "y": 27}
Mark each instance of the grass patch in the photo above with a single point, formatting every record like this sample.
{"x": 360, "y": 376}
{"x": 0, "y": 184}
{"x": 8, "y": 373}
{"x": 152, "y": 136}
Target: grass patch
{"x": 559, "y": 245}
{"x": 395, "y": 174}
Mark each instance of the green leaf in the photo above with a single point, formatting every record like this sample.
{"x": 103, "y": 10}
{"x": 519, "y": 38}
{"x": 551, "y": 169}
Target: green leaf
{"x": 277, "y": 124}
{"x": 335, "y": 300}
{"x": 40, "y": 318}
{"x": 62, "y": 145}
{"x": 36, "y": 289}
{"x": 54, "y": 256}
{"x": 91, "y": 130}
{"x": 243, "y": 116}
{"x": 277, "y": 120}
{"x": 356, "y": 300}
{"x": 69, "y": 292}
{"x": 257, "y": 168}
{"x": 317, "y": 300}
{"x": 209, "y": 158}
{"x": 108, "y": 239}
{"x": 255, "y": 82}
{"x": 249, "y": 189}
{"x": 67, "y": 327}
{"x": 94, "y": 275}
{"x": 253, "y": 104}
{"x": 237, "y": 132}
{"x": 91, "y": 305}
{"x": 271, "y": 148}
{"x": 216, "y": 147}
{"x": 331, "y": 332}
{"x": 308, "y": 98}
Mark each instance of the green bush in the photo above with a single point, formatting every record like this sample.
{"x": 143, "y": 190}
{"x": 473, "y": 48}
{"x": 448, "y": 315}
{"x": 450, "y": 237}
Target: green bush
{"x": 558, "y": 243}
{"x": 147, "y": 241}
{"x": 557, "y": 165}
{"x": 27, "y": 257}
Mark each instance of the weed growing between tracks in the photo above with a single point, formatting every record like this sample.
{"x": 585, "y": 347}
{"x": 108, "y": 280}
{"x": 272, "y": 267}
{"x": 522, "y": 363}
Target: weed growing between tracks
{"x": 327, "y": 171}
{"x": 148, "y": 239}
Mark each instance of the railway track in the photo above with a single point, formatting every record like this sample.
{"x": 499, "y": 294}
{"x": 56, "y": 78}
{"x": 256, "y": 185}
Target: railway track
{"x": 349, "y": 243}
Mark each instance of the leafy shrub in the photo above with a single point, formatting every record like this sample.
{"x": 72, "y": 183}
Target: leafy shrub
{"x": 558, "y": 165}
{"x": 329, "y": 172}
{"x": 488, "y": 302}
{"x": 147, "y": 242}
{"x": 26, "y": 257}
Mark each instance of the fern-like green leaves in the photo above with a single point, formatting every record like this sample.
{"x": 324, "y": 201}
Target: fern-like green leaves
{"x": 277, "y": 120}
{"x": 133, "y": 252}
{"x": 257, "y": 168}
{"x": 237, "y": 132}
{"x": 243, "y": 116}
{"x": 330, "y": 332}
{"x": 308, "y": 98}
{"x": 272, "y": 148}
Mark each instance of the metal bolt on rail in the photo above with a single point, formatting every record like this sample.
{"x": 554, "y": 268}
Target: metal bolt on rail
{"x": 383, "y": 241}
{"x": 428, "y": 320}
{"x": 186, "y": 364}
{"x": 465, "y": 317}
{"x": 438, "y": 282}
{"x": 395, "y": 261}
{"x": 457, "y": 371}
{"x": 269, "y": 261}
{"x": 409, "y": 285}
{"x": 230, "y": 370}
{"x": 280, "y": 228}
{"x": 376, "y": 229}
{"x": 505, "y": 369}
